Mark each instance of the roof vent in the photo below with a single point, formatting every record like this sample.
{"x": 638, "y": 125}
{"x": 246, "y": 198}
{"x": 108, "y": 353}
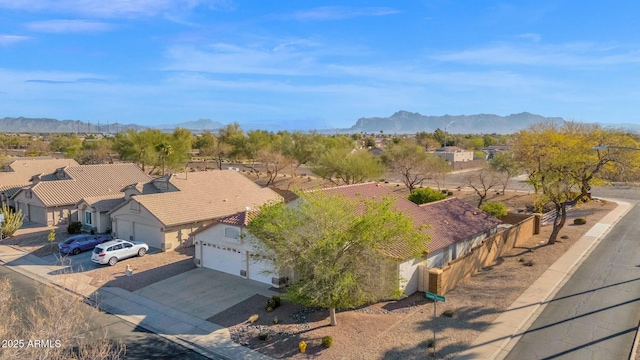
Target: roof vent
{"x": 224, "y": 200}
{"x": 248, "y": 208}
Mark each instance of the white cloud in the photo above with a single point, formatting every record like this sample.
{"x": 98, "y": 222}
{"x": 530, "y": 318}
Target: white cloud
{"x": 339, "y": 13}
{"x": 580, "y": 54}
{"x": 68, "y": 26}
{"x": 113, "y": 8}
{"x": 6, "y": 40}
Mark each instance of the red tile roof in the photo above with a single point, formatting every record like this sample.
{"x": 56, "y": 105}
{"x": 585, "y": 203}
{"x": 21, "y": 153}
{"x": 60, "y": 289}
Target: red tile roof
{"x": 451, "y": 220}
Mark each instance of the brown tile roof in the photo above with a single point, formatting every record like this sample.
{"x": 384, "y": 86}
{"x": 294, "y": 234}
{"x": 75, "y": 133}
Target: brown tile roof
{"x": 104, "y": 203}
{"x": 88, "y": 181}
{"x": 288, "y": 195}
{"x": 205, "y": 196}
{"x": 451, "y": 220}
{"x": 23, "y": 169}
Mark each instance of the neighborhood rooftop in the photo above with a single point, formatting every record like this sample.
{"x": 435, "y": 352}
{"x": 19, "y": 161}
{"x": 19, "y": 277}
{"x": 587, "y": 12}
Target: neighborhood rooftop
{"x": 204, "y": 196}
{"x": 23, "y": 169}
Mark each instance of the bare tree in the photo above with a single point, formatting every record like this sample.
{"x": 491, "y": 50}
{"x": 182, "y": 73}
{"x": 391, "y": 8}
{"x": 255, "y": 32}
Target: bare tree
{"x": 274, "y": 162}
{"x": 54, "y": 319}
{"x": 481, "y": 182}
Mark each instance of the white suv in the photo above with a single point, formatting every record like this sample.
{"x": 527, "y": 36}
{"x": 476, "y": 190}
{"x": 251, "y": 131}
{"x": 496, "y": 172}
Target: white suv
{"x": 112, "y": 251}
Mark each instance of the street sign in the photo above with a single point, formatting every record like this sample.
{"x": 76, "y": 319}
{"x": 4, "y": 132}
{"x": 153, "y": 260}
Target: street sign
{"x": 434, "y": 297}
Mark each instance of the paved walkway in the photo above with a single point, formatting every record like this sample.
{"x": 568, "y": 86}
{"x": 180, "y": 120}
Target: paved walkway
{"x": 200, "y": 335}
{"x": 501, "y": 336}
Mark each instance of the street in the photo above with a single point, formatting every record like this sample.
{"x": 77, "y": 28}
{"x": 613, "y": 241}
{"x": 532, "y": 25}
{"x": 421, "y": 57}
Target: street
{"x": 140, "y": 344}
{"x": 595, "y": 314}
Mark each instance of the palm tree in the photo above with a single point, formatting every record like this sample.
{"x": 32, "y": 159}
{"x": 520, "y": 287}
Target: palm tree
{"x": 164, "y": 150}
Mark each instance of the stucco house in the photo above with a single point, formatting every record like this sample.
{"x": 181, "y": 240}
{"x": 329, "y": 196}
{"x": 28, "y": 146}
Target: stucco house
{"x": 183, "y": 203}
{"x": 453, "y": 154}
{"x": 19, "y": 172}
{"x": 51, "y": 198}
{"x": 456, "y": 227}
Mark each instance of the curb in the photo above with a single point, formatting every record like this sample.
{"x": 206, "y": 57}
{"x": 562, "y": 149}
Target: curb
{"x": 496, "y": 343}
{"x": 634, "y": 347}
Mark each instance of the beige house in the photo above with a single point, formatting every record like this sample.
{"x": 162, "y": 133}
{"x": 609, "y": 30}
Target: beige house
{"x": 185, "y": 202}
{"x": 93, "y": 212}
{"x": 455, "y": 228}
{"x": 454, "y": 154}
{"x": 19, "y": 172}
{"x": 51, "y": 198}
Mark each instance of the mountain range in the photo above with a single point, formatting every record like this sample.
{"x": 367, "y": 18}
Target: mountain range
{"x": 402, "y": 122}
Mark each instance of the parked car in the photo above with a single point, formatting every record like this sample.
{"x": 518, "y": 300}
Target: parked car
{"x": 115, "y": 250}
{"x": 83, "y": 242}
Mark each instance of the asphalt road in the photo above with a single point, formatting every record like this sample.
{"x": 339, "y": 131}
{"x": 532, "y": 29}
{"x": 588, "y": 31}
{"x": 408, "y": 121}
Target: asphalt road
{"x": 140, "y": 344}
{"x": 595, "y": 314}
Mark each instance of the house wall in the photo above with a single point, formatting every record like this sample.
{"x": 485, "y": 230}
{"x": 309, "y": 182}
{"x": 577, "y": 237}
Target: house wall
{"x": 408, "y": 272}
{"x": 32, "y": 208}
{"x": 443, "y": 280}
{"x": 124, "y": 222}
{"x": 215, "y": 235}
{"x": 59, "y": 215}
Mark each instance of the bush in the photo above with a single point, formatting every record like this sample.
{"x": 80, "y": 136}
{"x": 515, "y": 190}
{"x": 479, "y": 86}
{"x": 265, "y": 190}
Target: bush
{"x": 275, "y": 320}
{"x": 327, "y": 341}
{"x": 448, "y": 313}
{"x": 12, "y": 221}
{"x": 495, "y": 209}
{"x": 264, "y": 335}
{"x": 273, "y": 303}
{"x": 579, "y": 221}
{"x": 276, "y": 300}
{"x": 74, "y": 227}
{"x": 253, "y": 318}
{"x": 426, "y": 195}
{"x": 449, "y": 193}
{"x": 302, "y": 346}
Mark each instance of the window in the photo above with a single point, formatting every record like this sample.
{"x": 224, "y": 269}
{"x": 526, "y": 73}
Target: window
{"x": 128, "y": 246}
{"x": 87, "y": 218}
{"x": 231, "y": 233}
{"x": 134, "y": 206}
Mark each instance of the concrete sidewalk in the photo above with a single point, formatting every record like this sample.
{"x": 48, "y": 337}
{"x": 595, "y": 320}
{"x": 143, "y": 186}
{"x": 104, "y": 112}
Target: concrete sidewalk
{"x": 502, "y": 335}
{"x": 206, "y": 338}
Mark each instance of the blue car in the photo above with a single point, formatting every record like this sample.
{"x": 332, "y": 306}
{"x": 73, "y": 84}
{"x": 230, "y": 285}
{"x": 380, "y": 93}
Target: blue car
{"x": 79, "y": 243}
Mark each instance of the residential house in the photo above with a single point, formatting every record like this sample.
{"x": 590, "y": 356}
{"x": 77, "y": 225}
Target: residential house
{"x": 19, "y": 172}
{"x": 51, "y": 198}
{"x": 453, "y": 154}
{"x": 184, "y": 202}
{"x": 492, "y": 150}
{"x": 455, "y": 228}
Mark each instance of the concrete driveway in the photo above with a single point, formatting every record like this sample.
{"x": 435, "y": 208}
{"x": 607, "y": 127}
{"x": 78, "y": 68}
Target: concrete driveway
{"x": 78, "y": 263}
{"x": 204, "y": 292}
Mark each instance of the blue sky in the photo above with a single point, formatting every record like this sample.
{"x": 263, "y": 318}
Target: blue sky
{"x": 312, "y": 64}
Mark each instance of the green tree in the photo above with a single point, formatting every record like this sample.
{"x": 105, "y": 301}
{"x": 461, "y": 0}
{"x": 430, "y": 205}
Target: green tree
{"x": 351, "y": 168}
{"x": 234, "y": 137}
{"x": 139, "y": 147}
{"x": 164, "y": 150}
{"x": 494, "y": 208}
{"x": 561, "y": 164}
{"x": 97, "y": 151}
{"x": 426, "y": 195}
{"x": 336, "y": 248}
{"x": 12, "y": 221}
{"x": 412, "y": 163}
{"x": 69, "y": 145}
{"x": 506, "y": 166}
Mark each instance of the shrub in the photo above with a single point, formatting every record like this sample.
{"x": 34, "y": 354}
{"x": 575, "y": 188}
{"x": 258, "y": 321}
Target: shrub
{"x": 302, "y": 346}
{"x": 74, "y": 227}
{"x": 253, "y": 318}
{"x": 275, "y": 320}
{"x": 449, "y": 193}
{"x": 579, "y": 221}
{"x": 448, "y": 313}
{"x": 426, "y": 195}
{"x": 273, "y": 303}
{"x": 264, "y": 335}
{"x": 431, "y": 343}
{"x": 327, "y": 341}
{"x": 528, "y": 263}
{"x": 495, "y": 209}
{"x": 12, "y": 221}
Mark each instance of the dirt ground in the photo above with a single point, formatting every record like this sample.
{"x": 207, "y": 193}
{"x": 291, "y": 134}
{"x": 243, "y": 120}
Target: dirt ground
{"x": 403, "y": 329}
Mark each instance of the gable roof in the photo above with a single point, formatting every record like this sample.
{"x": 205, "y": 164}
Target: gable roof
{"x": 104, "y": 203}
{"x": 204, "y": 196}
{"x": 23, "y": 169}
{"x": 452, "y": 220}
{"x": 88, "y": 181}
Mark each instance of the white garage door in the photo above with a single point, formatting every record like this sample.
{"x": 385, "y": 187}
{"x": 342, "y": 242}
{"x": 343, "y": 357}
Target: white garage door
{"x": 225, "y": 259}
{"x": 149, "y": 235}
{"x": 257, "y": 268}
{"x": 124, "y": 230}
